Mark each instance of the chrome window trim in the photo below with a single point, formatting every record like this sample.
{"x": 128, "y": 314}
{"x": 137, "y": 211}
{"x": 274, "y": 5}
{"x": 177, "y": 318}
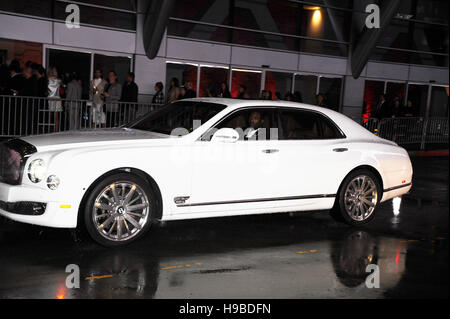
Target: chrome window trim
{"x": 277, "y": 109}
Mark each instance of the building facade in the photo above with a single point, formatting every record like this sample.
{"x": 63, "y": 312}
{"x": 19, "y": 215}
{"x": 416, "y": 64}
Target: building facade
{"x": 277, "y": 45}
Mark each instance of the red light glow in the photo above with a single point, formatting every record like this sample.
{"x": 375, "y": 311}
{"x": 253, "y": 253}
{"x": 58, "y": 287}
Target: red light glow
{"x": 61, "y": 292}
{"x": 397, "y": 255}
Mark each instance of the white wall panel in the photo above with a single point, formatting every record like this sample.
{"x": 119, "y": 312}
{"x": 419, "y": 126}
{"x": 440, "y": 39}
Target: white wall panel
{"x": 424, "y": 74}
{"x": 198, "y": 51}
{"x": 25, "y": 29}
{"x": 321, "y": 64}
{"x": 259, "y": 57}
{"x": 387, "y": 70}
{"x": 95, "y": 38}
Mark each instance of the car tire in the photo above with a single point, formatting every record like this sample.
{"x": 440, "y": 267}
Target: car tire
{"x": 119, "y": 209}
{"x": 358, "y": 198}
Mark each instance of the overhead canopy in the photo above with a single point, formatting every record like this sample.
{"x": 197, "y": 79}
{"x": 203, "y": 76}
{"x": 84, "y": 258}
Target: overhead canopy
{"x": 155, "y": 21}
{"x": 368, "y": 39}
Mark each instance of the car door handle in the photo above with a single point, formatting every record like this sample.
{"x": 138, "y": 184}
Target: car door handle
{"x": 270, "y": 151}
{"x": 340, "y": 150}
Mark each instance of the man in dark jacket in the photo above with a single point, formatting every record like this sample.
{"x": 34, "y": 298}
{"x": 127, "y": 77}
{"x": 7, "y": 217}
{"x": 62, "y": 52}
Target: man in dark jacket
{"x": 30, "y": 83}
{"x": 242, "y": 92}
{"x": 130, "y": 89}
{"x": 39, "y": 73}
{"x": 28, "y": 105}
{"x": 382, "y": 109}
{"x": 130, "y": 92}
{"x": 16, "y": 80}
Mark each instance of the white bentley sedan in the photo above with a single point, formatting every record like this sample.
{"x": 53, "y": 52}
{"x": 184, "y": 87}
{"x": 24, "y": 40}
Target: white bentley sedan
{"x": 200, "y": 158}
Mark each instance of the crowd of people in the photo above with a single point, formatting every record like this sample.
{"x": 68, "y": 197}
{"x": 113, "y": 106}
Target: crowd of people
{"x": 34, "y": 81}
{"x": 179, "y": 92}
{"x": 388, "y": 108}
{"x": 65, "y": 91}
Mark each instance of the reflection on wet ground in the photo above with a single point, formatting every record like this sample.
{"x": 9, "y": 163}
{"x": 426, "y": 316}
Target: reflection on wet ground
{"x": 303, "y": 255}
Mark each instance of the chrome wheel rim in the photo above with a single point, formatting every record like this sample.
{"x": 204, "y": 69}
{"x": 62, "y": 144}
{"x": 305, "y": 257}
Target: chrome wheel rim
{"x": 361, "y": 197}
{"x": 120, "y": 211}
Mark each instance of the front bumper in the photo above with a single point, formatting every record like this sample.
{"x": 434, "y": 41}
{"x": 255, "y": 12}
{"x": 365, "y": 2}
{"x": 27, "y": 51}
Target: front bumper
{"x": 57, "y": 213}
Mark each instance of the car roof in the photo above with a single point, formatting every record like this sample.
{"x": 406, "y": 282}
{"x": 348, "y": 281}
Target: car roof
{"x": 348, "y": 126}
{"x": 236, "y": 103}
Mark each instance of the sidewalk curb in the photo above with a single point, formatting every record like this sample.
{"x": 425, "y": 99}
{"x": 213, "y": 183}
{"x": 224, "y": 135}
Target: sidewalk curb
{"x": 429, "y": 153}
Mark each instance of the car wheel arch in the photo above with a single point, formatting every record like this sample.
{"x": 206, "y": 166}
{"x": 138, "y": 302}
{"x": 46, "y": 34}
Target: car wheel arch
{"x": 369, "y": 168}
{"x": 130, "y": 170}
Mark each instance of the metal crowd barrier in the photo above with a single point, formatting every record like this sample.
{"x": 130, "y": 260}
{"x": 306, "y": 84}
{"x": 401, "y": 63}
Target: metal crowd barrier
{"x": 34, "y": 115}
{"x": 411, "y": 130}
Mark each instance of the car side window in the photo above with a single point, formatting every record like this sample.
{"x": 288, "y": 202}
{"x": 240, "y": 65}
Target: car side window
{"x": 306, "y": 125}
{"x": 251, "y": 124}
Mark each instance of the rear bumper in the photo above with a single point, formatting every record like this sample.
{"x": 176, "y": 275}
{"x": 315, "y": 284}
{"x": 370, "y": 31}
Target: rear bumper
{"x": 396, "y": 191}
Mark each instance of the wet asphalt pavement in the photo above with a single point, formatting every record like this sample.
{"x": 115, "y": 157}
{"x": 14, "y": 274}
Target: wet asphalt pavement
{"x": 302, "y": 255}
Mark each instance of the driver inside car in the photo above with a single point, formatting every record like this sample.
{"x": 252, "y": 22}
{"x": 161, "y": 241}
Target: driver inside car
{"x": 256, "y": 124}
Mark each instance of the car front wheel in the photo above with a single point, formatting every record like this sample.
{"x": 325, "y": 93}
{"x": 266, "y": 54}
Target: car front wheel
{"x": 358, "y": 198}
{"x": 119, "y": 210}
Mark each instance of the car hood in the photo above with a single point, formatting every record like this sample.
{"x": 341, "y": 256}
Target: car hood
{"x": 87, "y": 138}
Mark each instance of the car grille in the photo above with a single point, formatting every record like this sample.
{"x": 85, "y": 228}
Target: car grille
{"x": 13, "y": 156}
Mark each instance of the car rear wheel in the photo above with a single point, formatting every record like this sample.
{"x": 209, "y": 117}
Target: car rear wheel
{"x": 358, "y": 198}
{"x": 119, "y": 210}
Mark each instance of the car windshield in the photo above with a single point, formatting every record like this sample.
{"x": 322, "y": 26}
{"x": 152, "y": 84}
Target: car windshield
{"x": 179, "y": 118}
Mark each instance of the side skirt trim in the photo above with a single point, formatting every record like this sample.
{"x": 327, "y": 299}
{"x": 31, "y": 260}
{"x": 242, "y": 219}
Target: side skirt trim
{"x": 259, "y": 200}
{"x": 396, "y": 187}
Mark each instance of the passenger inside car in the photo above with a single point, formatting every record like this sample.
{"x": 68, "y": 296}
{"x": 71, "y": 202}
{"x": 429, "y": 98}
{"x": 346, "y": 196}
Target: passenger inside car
{"x": 250, "y": 124}
{"x": 256, "y": 126}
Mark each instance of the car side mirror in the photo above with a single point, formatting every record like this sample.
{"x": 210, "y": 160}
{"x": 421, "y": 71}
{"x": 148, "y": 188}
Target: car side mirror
{"x": 225, "y": 135}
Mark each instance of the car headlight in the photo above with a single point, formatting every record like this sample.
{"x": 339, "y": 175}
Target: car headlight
{"x": 53, "y": 182}
{"x": 36, "y": 170}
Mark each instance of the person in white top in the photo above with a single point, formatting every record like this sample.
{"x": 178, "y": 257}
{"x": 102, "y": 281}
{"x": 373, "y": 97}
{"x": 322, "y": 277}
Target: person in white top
{"x": 97, "y": 87}
{"x": 54, "y": 103}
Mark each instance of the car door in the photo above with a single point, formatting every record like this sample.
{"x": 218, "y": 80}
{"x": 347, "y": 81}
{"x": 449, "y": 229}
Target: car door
{"x": 238, "y": 176}
{"x": 312, "y": 154}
